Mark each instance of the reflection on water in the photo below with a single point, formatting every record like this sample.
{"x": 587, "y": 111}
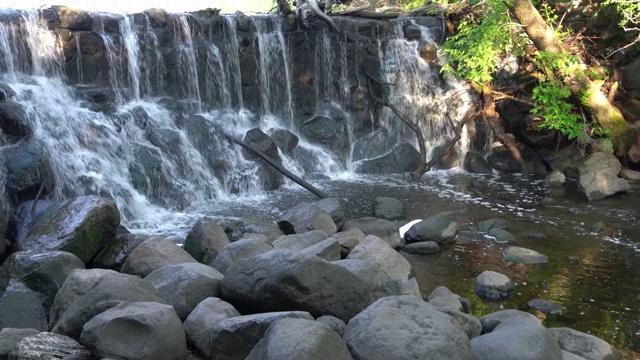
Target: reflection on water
{"x": 600, "y": 290}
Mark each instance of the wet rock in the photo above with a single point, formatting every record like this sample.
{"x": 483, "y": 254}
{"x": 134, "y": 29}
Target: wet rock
{"x": 501, "y": 160}
{"x": 46, "y": 345}
{"x": 242, "y": 21}
{"x": 469, "y": 323}
{"x": 516, "y": 339}
{"x": 501, "y": 236}
{"x": 285, "y": 139}
{"x": 555, "y": 179}
{"x": 546, "y": 306}
{"x": 447, "y": 161}
{"x": 402, "y": 158}
{"x": 384, "y": 229}
{"x": 334, "y": 208}
{"x": 14, "y": 121}
{"x": 41, "y": 271}
{"x": 20, "y": 307}
{"x": 81, "y": 226}
{"x": 28, "y": 170}
{"x": 491, "y": 224}
{"x": 474, "y": 162}
{"x": 271, "y": 231}
{"x": 491, "y": 285}
{"x": 205, "y": 240}
{"x": 10, "y": 337}
{"x": 491, "y": 321}
{"x": 185, "y": 285}
{"x": 241, "y": 249}
{"x": 261, "y": 141}
{"x": 116, "y": 252}
{"x": 158, "y": 332}
{"x": 422, "y": 248}
{"x": 372, "y": 145}
{"x": 74, "y": 19}
{"x": 157, "y": 16}
{"x": 109, "y": 290}
{"x": 297, "y": 242}
{"x": 523, "y": 255}
{"x": 235, "y": 337}
{"x": 307, "y": 217}
{"x": 428, "y": 52}
{"x": 412, "y": 32}
{"x": 302, "y": 339}
{"x": 388, "y": 208}
{"x": 405, "y": 327}
{"x": 153, "y": 254}
{"x": 334, "y": 323}
{"x": 203, "y": 319}
{"x": 347, "y": 240}
{"x": 440, "y": 228}
{"x": 6, "y": 92}
{"x": 630, "y": 175}
{"x": 599, "y": 176}
{"x": 282, "y": 280}
{"x": 327, "y": 132}
{"x": 584, "y": 345}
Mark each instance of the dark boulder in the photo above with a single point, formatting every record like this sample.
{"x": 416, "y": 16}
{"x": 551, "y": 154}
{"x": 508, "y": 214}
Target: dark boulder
{"x": 403, "y": 158}
{"x": 74, "y": 19}
{"x": 21, "y": 307}
{"x": 440, "y": 228}
{"x": 327, "y": 132}
{"x": 372, "y": 145}
{"x": 203, "y": 319}
{"x": 388, "y": 208}
{"x": 28, "y": 170}
{"x": 261, "y": 141}
{"x": 307, "y": 217}
{"x": 285, "y": 139}
{"x": 205, "y": 240}
{"x": 14, "y": 121}
{"x": 474, "y": 162}
{"x": 154, "y": 253}
{"x": 117, "y": 250}
{"x": 6, "y": 92}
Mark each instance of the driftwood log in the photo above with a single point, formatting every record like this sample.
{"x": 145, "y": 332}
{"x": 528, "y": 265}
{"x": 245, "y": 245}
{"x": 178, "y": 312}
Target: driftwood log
{"x": 277, "y": 166}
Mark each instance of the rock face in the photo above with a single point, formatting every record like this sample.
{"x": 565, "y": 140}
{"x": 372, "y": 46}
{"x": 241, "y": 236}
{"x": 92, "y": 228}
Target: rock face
{"x": 49, "y": 346}
{"x": 516, "y": 338}
{"x": 203, "y": 319}
{"x": 137, "y": 330}
{"x": 282, "y": 280}
{"x": 440, "y": 228}
{"x": 234, "y": 338}
{"x": 405, "y": 327}
{"x": 205, "y": 240}
{"x": 153, "y": 254}
{"x": 81, "y": 226}
{"x": 599, "y": 176}
{"x": 185, "y": 285}
{"x": 491, "y": 285}
{"x": 302, "y": 339}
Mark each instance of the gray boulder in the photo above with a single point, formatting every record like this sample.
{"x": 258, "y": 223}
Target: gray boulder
{"x": 348, "y": 239}
{"x": 630, "y": 175}
{"x": 154, "y": 253}
{"x": 405, "y": 327}
{"x": 241, "y": 249}
{"x": 20, "y": 307}
{"x": 555, "y": 179}
{"x": 421, "y": 248}
{"x": 599, "y": 176}
{"x": 388, "y": 208}
{"x": 205, "y": 240}
{"x": 285, "y": 139}
{"x": 300, "y": 339}
{"x": 501, "y": 236}
{"x": 185, "y": 285}
{"x": 334, "y": 323}
{"x": 491, "y": 321}
{"x": 516, "y": 339}
{"x": 402, "y": 158}
{"x": 523, "y": 255}
{"x": 110, "y": 290}
{"x": 81, "y": 226}
{"x": 10, "y": 337}
{"x": 41, "y": 271}
{"x": 47, "y": 345}
{"x": 282, "y": 280}
{"x": 28, "y": 170}
{"x": 235, "y": 337}
{"x": 469, "y": 323}
{"x": 474, "y": 162}
{"x": 116, "y": 252}
{"x": 389, "y": 264}
{"x": 136, "y": 330}
{"x": 327, "y": 132}
{"x": 14, "y": 121}
{"x": 333, "y": 207}
{"x": 443, "y": 298}
{"x": 328, "y": 249}
{"x": 384, "y": 229}
{"x": 77, "y": 284}
{"x": 491, "y": 285}
{"x": 372, "y": 145}
{"x": 297, "y": 242}
{"x": 74, "y": 19}
{"x": 203, "y": 319}
{"x": 307, "y": 217}
{"x": 584, "y": 345}
{"x": 440, "y": 228}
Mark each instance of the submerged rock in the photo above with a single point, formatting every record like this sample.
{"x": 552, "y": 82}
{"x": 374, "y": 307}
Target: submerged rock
{"x": 523, "y": 255}
{"x": 584, "y": 345}
{"x": 546, "y": 306}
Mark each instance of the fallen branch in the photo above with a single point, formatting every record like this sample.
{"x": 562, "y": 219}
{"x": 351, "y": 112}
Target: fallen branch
{"x": 277, "y": 166}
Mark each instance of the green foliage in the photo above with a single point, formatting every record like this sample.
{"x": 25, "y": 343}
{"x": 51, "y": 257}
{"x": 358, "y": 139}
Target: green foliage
{"x": 551, "y": 99}
{"x": 482, "y": 39}
{"x": 629, "y": 11}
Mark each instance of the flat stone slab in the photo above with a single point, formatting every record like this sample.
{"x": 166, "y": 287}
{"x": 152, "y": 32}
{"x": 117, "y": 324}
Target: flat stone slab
{"x": 523, "y": 255}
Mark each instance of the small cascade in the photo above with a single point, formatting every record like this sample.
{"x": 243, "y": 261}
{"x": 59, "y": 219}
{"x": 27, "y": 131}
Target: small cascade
{"x": 129, "y": 37}
{"x": 45, "y": 50}
{"x": 275, "y": 76}
{"x": 233, "y": 64}
{"x": 216, "y": 88}
{"x": 152, "y": 60}
{"x": 115, "y": 70}
{"x": 187, "y": 77}
{"x": 79, "y": 60}
{"x": 7, "y": 65}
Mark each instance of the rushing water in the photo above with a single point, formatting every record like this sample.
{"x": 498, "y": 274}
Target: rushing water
{"x": 166, "y": 167}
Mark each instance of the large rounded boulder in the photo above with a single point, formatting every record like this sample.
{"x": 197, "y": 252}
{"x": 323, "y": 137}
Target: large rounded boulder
{"x": 205, "y": 240}
{"x": 599, "y": 176}
{"x": 405, "y": 327}
{"x": 154, "y": 253}
{"x": 440, "y": 228}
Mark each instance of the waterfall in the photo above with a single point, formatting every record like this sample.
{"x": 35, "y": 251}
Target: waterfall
{"x": 186, "y": 60}
{"x": 130, "y": 44}
{"x": 232, "y": 51}
{"x": 79, "y": 60}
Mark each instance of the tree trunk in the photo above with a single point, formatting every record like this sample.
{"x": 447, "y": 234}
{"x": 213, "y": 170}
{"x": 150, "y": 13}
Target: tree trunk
{"x": 490, "y": 115}
{"x": 602, "y": 111}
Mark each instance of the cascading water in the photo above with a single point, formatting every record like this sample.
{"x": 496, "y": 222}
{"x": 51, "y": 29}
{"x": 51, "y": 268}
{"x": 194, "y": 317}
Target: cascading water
{"x": 155, "y": 153}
